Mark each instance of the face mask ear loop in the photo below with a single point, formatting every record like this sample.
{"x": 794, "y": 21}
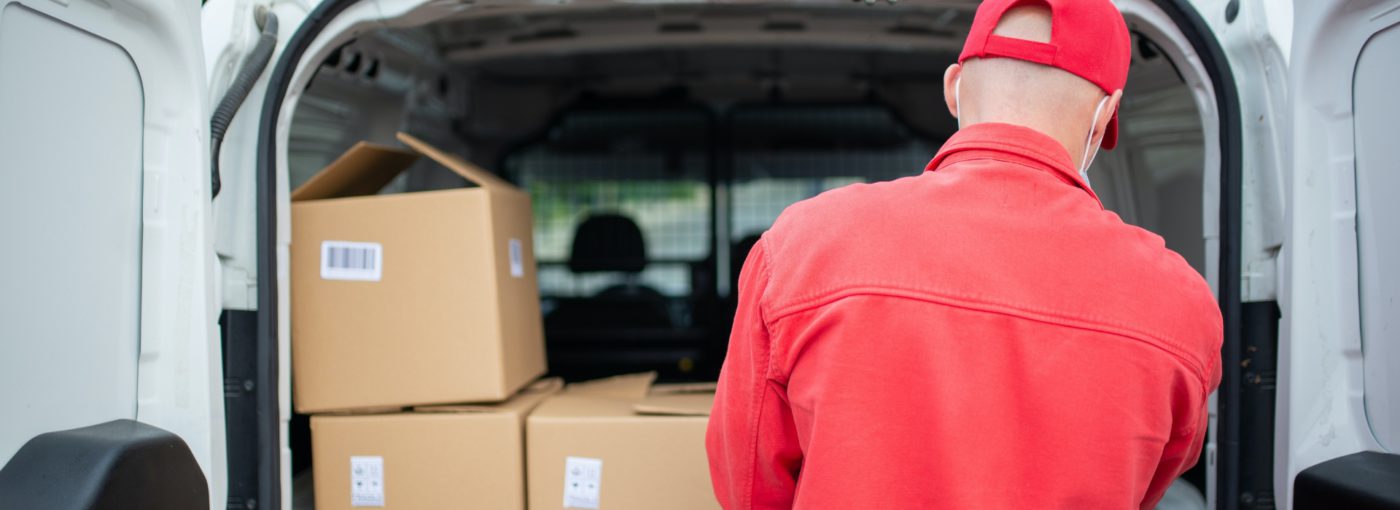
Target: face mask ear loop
{"x": 1089, "y": 152}
{"x": 957, "y": 100}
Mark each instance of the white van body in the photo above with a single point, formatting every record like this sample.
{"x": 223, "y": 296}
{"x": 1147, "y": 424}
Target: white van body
{"x": 115, "y": 280}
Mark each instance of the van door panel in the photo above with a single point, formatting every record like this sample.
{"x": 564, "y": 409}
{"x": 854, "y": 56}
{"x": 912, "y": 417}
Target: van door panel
{"x": 70, "y": 214}
{"x": 1378, "y": 235}
{"x": 106, "y": 262}
{"x": 1337, "y": 344}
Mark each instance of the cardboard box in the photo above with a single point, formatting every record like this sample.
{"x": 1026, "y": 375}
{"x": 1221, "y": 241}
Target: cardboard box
{"x": 621, "y": 444}
{"x": 411, "y": 298}
{"x": 466, "y": 456}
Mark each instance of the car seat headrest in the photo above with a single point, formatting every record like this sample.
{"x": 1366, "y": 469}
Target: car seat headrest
{"x": 608, "y": 243}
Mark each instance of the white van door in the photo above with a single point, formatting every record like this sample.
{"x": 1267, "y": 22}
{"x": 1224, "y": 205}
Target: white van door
{"x": 1231, "y": 57}
{"x": 107, "y": 267}
{"x": 243, "y": 43}
{"x": 1340, "y": 337}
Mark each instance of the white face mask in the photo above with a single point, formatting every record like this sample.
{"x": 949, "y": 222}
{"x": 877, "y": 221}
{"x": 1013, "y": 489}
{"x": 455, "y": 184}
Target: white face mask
{"x": 957, "y": 98}
{"x": 1089, "y": 149}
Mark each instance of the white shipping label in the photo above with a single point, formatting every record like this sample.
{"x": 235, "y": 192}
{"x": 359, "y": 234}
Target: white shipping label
{"x": 345, "y": 260}
{"x": 367, "y": 481}
{"x": 517, "y": 258}
{"x": 583, "y": 480}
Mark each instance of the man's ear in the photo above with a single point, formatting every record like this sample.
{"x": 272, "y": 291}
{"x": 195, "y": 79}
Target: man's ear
{"x": 950, "y": 83}
{"x": 1109, "y": 108}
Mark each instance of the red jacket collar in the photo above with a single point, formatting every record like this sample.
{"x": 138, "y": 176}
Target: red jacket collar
{"x": 1011, "y": 143}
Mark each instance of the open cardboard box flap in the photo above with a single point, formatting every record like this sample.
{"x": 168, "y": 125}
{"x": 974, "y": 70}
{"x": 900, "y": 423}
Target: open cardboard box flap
{"x": 676, "y": 404}
{"x": 678, "y": 388}
{"x": 367, "y": 167}
{"x": 682, "y": 399}
{"x": 639, "y": 395}
{"x": 622, "y": 387}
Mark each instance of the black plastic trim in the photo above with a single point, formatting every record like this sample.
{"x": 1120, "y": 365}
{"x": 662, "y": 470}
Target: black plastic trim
{"x": 268, "y": 407}
{"x": 1228, "y": 461}
{"x": 114, "y": 465}
{"x": 1360, "y": 481}
{"x": 238, "y": 330}
{"x": 1257, "y": 373}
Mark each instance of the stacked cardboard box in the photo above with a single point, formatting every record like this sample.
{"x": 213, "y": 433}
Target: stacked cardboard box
{"x": 621, "y": 444}
{"x": 450, "y": 456}
{"x": 409, "y": 300}
{"x": 415, "y": 322}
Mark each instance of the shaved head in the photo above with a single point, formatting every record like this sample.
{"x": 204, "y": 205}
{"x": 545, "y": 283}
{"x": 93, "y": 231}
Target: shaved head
{"x": 1044, "y": 98}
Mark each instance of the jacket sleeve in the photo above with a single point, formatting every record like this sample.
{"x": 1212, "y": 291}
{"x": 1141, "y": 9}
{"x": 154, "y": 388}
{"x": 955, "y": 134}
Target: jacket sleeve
{"x": 1190, "y": 405}
{"x": 752, "y": 443}
{"x": 1179, "y": 454}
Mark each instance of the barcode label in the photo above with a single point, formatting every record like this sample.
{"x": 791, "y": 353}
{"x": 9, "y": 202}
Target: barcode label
{"x": 344, "y": 260}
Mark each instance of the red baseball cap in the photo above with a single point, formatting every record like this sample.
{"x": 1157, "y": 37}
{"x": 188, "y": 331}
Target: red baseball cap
{"x": 1087, "y": 38}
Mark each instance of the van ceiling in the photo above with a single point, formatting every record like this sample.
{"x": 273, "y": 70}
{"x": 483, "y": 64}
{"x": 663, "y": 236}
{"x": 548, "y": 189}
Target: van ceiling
{"x": 503, "y": 68}
{"x": 830, "y": 50}
{"x": 484, "y": 35}
{"x": 721, "y": 52}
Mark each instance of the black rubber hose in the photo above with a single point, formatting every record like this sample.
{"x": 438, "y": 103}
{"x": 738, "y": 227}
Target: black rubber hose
{"x": 253, "y": 66}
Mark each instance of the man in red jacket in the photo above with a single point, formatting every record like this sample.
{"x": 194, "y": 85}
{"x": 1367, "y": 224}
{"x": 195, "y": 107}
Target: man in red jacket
{"x": 983, "y": 335}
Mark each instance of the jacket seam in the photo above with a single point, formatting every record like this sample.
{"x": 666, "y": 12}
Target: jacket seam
{"x": 997, "y": 145}
{"x": 1064, "y": 179}
{"x": 760, "y": 384}
{"x": 982, "y": 304}
{"x": 1003, "y": 147}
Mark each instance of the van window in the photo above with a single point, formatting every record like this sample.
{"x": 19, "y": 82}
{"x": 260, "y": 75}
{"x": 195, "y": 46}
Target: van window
{"x": 650, "y": 167}
{"x": 783, "y": 155}
{"x": 1378, "y": 239}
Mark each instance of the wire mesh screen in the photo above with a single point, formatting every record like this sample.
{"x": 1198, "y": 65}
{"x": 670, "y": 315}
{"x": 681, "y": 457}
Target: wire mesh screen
{"x": 556, "y": 280}
{"x": 673, "y": 215}
{"x": 651, "y": 166}
{"x": 654, "y": 166}
{"x": 783, "y": 155}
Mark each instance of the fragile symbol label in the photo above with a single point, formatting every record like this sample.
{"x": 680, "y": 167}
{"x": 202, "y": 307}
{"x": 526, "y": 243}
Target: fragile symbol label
{"x": 583, "y": 479}
{"x": 367, "y": 481}
{"x": 517, "y": 258}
